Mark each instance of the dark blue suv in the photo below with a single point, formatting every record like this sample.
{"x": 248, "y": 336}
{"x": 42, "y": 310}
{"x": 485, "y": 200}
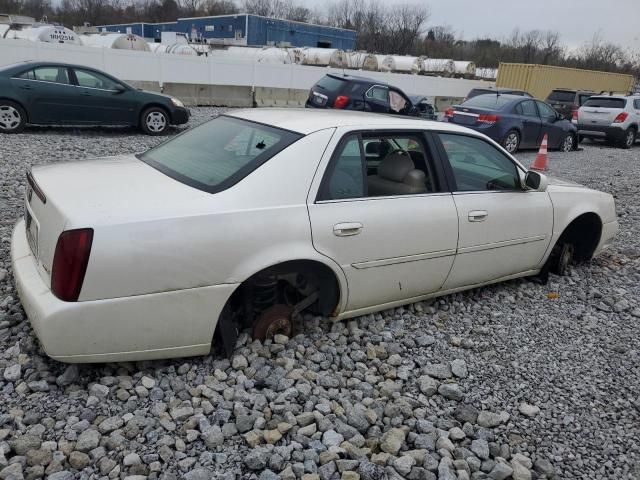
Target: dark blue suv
{"x": 350, "y": 92}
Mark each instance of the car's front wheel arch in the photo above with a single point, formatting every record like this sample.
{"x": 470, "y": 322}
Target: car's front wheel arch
{"x": 584, "y": 234}
{"x": 283, "y": 284}
{"x": 149, "y": 108}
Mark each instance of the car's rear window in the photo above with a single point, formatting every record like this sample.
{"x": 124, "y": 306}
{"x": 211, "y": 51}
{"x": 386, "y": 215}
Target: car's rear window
{"x": 330, "y": 84}
{"x": 219, "y": 153}
{"x": 477, "y": 91}
{"x": 488, "y": 102}
{"x": 601, "y": 102}
{"x": 561, "y": 96}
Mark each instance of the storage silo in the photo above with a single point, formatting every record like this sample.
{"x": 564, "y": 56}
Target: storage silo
{"x": 46, "y": 34}
{"x": 117, "y": 41}
{"x": 401, "y": 64}
{"x": 174, "y": 49}
{"x": 465, "y": 69}
{"x": 324, "y": 57}
{"x": 437, "y": 66}
{"x": 362, "y": 61}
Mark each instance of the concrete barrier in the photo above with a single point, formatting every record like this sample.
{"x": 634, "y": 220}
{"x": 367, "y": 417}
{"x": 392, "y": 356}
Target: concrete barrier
{"x": 280, "y": 97}
{"x": 206, "y": 95}
{"x": 145, "y": 85}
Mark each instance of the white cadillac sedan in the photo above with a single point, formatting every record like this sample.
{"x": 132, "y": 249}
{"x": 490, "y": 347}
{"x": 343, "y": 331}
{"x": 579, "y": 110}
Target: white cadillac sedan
{"x": 258, "y": 215}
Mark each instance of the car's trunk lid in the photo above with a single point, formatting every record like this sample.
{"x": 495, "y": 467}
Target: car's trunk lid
{"x": 91, "y": 193}
{"x": 467, "y": 115}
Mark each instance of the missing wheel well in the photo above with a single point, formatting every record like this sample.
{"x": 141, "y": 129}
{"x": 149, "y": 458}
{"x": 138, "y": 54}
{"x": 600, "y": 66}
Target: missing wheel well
{"x": 584, "y": 233}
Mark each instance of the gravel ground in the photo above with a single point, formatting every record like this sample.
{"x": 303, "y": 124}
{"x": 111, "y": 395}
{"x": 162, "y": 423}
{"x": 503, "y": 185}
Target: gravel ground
{"x": 517, "y": 380}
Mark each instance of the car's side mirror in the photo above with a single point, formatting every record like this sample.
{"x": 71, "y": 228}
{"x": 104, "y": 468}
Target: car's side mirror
{"x": 535, "y": 181}
{"x": 119, "y": 89}
{"x": 559, "y": 117}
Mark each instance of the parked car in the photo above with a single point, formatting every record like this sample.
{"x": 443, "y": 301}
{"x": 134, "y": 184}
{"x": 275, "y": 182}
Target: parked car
{"x": 495, "y": 91}
{"x": 614, "y": 118}
{"x": 48, "y": 93}
{"x": 350, "y": 92}
{"x": 260, "y": 214}
{"x": 425, "y": 109}
{"x": 567, "y": 101}
{"x": 515, "y": 122}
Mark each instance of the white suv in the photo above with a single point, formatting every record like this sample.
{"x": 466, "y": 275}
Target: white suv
{"x": 614, "y": 118}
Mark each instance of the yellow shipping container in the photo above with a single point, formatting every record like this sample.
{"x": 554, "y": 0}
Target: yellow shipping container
{"x": 539, "y": 80}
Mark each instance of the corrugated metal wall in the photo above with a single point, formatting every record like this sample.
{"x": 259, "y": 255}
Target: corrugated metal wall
{"x": 539, "y": 80}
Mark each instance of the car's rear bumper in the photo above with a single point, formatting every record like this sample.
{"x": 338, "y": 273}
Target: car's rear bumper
{"x": 161, "y": 325}
{"x": 601, "y": 132}
{"x": 180, "y": 115}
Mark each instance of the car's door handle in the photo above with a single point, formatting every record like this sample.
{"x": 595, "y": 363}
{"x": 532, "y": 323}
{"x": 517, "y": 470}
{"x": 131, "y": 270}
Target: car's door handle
{"x": 26, "y": 87}
{"x": 478, "y": 215}
{"x": 85, "y": 94}
{"x": 347, "y": 229}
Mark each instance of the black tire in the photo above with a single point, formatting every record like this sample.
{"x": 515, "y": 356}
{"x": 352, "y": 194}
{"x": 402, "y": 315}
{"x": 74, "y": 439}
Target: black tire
{"x": 564, "y": 145}
{"x": 561, "y": 257}
{"x": 580, "y": 139}
{"x": 154, "y": 121}
{"x": 511, "y": 141}
{"x": 13, "y": 118}
{"x": 628, "y": 139}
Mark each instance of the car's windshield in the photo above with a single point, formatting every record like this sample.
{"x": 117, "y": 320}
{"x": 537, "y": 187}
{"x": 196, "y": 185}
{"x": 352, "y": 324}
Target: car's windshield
{"x": 600, "y": 102}
{"x": 218, "y": 154}
{"x": 488, "y": 102}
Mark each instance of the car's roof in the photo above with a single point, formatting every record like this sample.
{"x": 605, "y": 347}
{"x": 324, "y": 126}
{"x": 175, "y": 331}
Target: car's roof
{"x": 308, "y": 120}
{"x": 355, "y": 78}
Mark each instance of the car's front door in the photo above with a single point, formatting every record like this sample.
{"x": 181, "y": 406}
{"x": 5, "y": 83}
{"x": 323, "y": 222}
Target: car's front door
{"x": 504, "y": 229}
{"x": 376, "y": 99}
{"x": 531, "y": 123}
{"x": 48, "y": 93}
{"x": 386, "y": 222}
{"x": 550, "y": 125}
{"x": 101, "y": 100}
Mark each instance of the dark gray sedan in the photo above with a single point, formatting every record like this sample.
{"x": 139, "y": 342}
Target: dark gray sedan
{"x": 48, "y": 93}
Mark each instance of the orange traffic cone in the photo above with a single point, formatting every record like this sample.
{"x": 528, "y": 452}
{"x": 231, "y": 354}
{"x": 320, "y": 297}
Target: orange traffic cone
{"x": 540, "y": 163}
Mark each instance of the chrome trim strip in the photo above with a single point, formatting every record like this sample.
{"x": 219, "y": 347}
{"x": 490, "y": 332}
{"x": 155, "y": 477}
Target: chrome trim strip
{"x": 505, "y": 243}
{"x": 468, "y": 114}
{"x": 387, "y": 197}
{"x": 404, "y": 259}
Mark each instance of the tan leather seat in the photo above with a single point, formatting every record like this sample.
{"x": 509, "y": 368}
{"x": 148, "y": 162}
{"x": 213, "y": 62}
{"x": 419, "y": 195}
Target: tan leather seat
{"x": 397, "y": 175}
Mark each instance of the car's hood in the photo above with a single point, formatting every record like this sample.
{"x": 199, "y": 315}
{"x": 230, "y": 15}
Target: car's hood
{"x": 156, "y": 94}
{"x": 559, "y": 182}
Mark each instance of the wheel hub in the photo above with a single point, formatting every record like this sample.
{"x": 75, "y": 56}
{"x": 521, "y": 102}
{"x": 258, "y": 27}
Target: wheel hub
{"x": 274, "y": 320}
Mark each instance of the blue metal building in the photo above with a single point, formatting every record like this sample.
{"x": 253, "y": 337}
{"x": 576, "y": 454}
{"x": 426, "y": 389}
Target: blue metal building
{"x": 243, "y": 29}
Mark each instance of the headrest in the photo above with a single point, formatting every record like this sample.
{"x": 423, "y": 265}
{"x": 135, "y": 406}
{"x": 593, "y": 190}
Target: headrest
{"x": 395, "y": 167}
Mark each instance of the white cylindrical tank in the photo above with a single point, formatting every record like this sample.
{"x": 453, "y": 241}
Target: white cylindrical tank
{"x": 117, "y": 41}
{"x": 437, "y": 66}
{"x": 263, "y": 55}
{"x": 487, "y": 73}
{"x": 324, "y": 57}
{"x": 401, "y": 63}
{"x": 362, "y": 61}
{"x": 174, "y": 49}
{"x": 466, "y": 69}
{"x": 47, "y": 34}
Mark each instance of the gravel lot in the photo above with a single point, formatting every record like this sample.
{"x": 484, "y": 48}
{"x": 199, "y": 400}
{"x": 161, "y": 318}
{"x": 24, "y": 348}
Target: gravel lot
{"x": 517, "y": 380}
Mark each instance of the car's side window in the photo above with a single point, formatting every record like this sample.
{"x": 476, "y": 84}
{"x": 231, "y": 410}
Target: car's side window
{"x": 345, "y": 177}
{"x": 378, "y": 93}
{"x": 94, "y": 80}
{"x": 479, "y": 166}
{"x": 28, "y": 75}
{"x": 527, "y": 108}
{"x": 380, "y": 164}
{"x": 546, "y": 112}
{"x": 52, "y": 74}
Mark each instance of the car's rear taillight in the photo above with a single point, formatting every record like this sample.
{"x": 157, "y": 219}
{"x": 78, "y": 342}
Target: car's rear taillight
{"x": 341, "y": 101}
{"x": 488, "y": 118}
{"x": 621, "y": 118}
{"x": 70, "y": 263}
{"x": 574, "y": 115}
{"x": 449, "y": 112}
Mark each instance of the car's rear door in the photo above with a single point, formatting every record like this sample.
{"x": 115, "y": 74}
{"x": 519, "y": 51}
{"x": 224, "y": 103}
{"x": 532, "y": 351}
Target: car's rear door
{"x": 101, "y": 100}
{"x": 376, "y": 99}
{"x": 48, "y": 93}
{"x": 503, "y": 229}
{"x": 394, "y": 246}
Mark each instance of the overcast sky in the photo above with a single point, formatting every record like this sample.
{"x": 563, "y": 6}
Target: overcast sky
{"x": 617, "y": 21}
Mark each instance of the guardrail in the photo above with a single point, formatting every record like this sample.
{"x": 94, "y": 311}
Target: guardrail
{"x": 219, "y": 81}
